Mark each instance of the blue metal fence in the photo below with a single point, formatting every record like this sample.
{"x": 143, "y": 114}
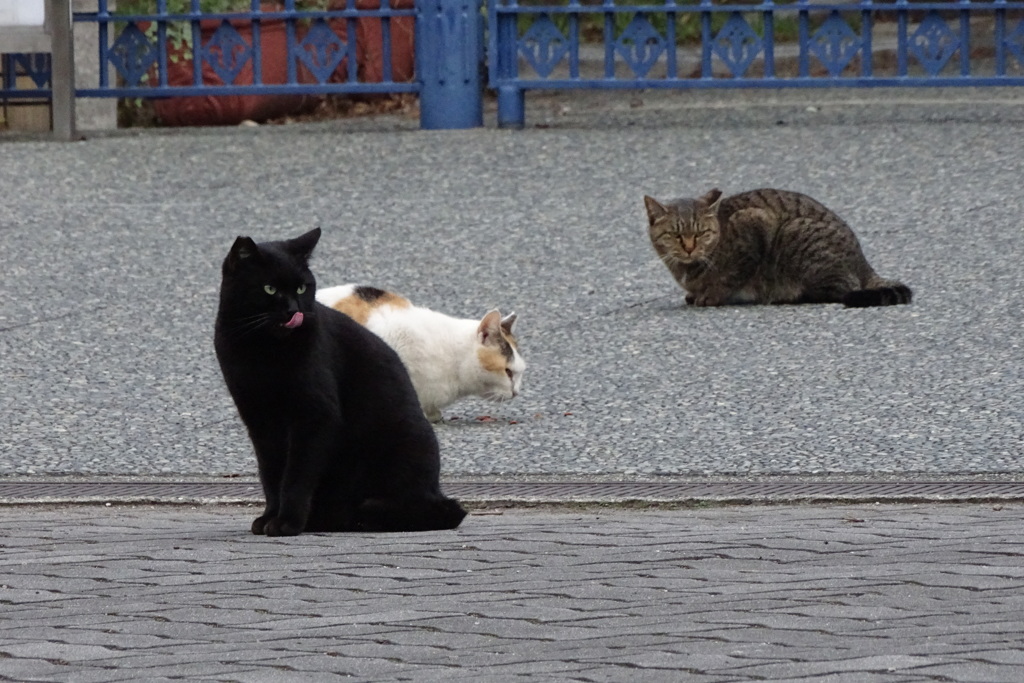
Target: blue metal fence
{"x": 571, "y": 44}
{"x": 290, "y": 47}
{"x": 137, "y": 51}
{"x": 699, "y": 44}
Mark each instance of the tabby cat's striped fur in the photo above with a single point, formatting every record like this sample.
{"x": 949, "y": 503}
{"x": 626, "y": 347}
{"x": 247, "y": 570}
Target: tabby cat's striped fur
{"x": 766, "y": 247}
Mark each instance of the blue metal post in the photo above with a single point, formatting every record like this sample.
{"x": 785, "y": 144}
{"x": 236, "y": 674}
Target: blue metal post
{"x": 505, "y": 66}
{"x": 511, "y": 106}
{"x": 449, "y": 58}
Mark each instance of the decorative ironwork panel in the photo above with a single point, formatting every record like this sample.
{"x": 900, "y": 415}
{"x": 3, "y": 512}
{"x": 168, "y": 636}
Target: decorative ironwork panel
{"x": 1014, "y": 42}
{"x": 543, "y": 46}
{"x": 34, "y": 65}
{"x": 299, "y": 50}
{"x": 132, "y": 54}
{"x": 227, "y": 52}
{"x": 764, "y": 43}
{"x": 933, "y": 43}
{"x": 321, "y": 50}
{"x": 737, "y": 44}
{"x": 835, "y": 44}
{"x": 640, "y": 45}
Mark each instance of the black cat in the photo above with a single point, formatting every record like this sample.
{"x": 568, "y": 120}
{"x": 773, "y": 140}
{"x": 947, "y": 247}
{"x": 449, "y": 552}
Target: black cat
{"x": 340, "y": 439}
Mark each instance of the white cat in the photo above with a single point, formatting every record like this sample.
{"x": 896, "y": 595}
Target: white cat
{"x": 447, "y": 358}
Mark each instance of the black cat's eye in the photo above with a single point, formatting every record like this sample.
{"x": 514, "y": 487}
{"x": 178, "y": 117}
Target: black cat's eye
{"x": 301, "y": 289}
{"x": 270, "y": 289}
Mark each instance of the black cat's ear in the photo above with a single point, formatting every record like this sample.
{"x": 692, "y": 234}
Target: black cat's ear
{"x": 303, "y": 245}
{"x": 713, "y": 199}
{"x": 654, "y": 209}
{"x": 243, "y": 248}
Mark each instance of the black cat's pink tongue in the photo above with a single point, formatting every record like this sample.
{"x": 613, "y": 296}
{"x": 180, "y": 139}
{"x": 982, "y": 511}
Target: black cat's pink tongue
{"x": 295, "y": 321}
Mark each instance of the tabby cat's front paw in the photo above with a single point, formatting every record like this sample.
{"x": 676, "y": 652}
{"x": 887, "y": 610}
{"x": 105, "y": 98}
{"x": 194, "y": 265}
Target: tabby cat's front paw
{"x": 707, "y": 300}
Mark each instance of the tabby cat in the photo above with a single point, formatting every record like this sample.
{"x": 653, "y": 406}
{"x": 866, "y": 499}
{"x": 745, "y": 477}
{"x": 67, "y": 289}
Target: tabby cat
{"x": 340, "y": 440}
{"x": 765, "y": 247}
{"x": 447, "y": 358}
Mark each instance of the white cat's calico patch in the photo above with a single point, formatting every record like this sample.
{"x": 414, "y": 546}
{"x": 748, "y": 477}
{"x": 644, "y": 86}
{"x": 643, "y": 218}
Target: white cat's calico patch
{"x": 447, "y": 358}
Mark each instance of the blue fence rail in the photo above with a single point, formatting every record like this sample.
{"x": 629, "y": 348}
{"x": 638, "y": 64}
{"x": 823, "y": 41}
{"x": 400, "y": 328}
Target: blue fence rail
{"x": 678, "y": 44}
{"x": 564, "y": 45}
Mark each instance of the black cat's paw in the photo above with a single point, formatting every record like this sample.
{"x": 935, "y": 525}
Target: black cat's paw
{"x": 282, "y": 527}
{"x": 259, "y": 524}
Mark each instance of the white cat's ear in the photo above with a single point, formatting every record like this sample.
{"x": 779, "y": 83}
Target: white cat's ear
{"x": 713, "y": 199}
{"x": 507, "y": 322}
{"x": 654, "y": 209}
{"x": 489, "y": 329}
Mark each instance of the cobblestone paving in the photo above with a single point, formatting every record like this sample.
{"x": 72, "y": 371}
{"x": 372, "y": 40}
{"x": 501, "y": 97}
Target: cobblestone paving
{"x": 823, "y": 593}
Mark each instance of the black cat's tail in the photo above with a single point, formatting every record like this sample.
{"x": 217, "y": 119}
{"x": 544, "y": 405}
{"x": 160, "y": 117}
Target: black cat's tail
{"x": 878, "y": 292}
{"x": 410, "y": 514}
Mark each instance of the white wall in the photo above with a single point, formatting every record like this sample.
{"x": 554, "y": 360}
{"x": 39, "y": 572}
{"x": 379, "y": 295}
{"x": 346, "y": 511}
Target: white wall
{"x": 22, "y": 12}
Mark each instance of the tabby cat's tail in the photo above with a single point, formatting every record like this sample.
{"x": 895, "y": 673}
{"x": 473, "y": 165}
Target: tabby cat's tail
{"x": 878, "y": 292}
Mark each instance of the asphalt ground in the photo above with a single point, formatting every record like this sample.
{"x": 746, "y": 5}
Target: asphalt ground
{"x": 111, "y": 251}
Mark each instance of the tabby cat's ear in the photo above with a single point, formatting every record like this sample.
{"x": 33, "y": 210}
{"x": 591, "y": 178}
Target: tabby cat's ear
{"x": 654, "y": 209}
{"x": 713, "y": 199}
{"x": 243, "y": 248}
{"x": 489, "y": 328}
{"x": 303, "y": 244}
{"x": 507, "y": 322}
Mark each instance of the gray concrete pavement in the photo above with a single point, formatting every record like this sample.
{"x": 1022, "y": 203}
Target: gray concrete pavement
{"x": 111, "y": 250}
{"x": 846, "y": 593}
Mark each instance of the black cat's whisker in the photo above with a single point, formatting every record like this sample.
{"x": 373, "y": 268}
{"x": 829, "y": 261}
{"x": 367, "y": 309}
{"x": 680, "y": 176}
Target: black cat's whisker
{"x": 257, "y": 316}
{"x": 249, "y": 325}
{"x": 247, "y": 318}
{"x": 251, "y": 322}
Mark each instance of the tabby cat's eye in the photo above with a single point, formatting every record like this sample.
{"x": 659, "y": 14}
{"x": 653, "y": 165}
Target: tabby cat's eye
{"x": 270, "y": 289}
{"x": 301, "y": 289}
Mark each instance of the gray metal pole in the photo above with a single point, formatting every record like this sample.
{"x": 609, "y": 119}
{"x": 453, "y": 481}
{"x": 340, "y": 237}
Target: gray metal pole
{"x": 62, "y": 69}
